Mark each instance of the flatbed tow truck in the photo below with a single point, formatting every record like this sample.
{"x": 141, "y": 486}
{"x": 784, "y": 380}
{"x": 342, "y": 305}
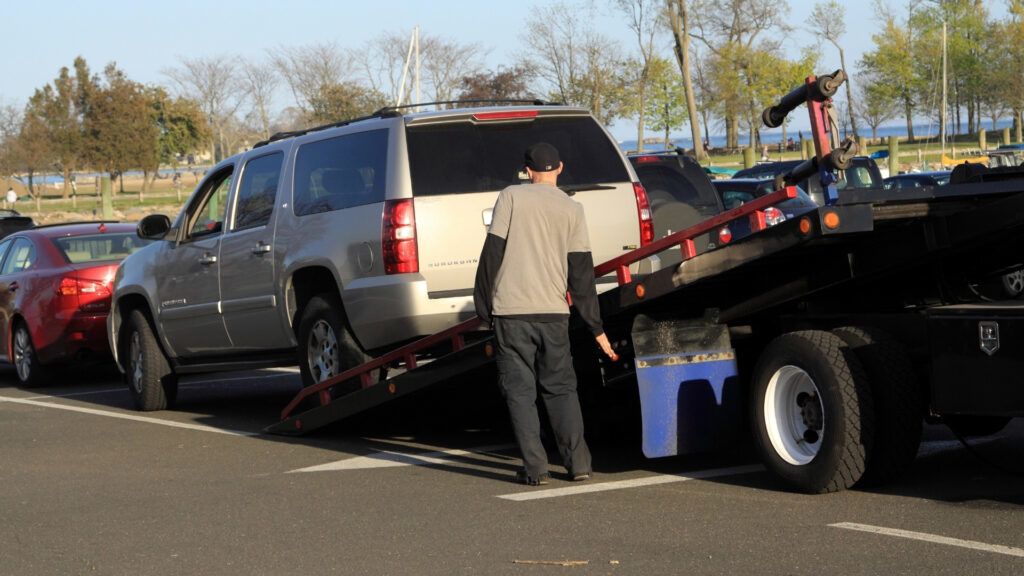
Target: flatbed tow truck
{"x": 831, "y": 335}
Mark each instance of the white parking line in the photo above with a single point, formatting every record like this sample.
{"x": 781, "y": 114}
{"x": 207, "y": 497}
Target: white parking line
{"x": 389, "y": 459}
{"x": 925, "y": 537}
{"x": 72, "y": 394}
{"x": 634, "y": 483}
{"x": 123, "y": 416}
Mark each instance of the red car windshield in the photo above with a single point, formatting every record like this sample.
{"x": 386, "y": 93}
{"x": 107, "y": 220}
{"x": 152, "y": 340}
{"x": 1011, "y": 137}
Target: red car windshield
{"x": 99, "y": 247}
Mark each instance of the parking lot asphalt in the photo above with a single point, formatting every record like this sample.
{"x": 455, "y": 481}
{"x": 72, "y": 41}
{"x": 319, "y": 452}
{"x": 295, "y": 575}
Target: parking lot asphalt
{"x": 90, "y": 486}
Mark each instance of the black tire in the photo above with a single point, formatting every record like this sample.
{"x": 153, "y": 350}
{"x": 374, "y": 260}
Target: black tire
{"x": 971, "y": 425}
{"x": 896, "y": 399}
{"x": 30, "y": 372}
{"x": 325, "y": 312}
{"x": 839, "y": 406}
{"x": 148, "y": 375}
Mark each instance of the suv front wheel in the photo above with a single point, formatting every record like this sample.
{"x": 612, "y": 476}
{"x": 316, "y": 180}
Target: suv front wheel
{"x": 152, "y": 383}
{"x": 326, "y": 345}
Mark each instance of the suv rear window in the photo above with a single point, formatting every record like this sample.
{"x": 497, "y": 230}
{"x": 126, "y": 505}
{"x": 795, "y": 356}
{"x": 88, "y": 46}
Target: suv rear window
{"x": 465, "y": 157}
{"x": 340, "y": 172}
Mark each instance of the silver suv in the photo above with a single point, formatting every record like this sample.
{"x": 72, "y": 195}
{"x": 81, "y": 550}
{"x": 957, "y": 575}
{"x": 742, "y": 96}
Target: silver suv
{"x": 345, "y": 240}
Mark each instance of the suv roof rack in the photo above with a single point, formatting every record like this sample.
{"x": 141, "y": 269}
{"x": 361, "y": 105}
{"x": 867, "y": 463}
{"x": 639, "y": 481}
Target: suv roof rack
{"x": 392, "y": 111}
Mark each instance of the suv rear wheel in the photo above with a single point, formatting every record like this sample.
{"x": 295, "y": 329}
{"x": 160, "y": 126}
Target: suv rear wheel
{"x": 326, "y": 345}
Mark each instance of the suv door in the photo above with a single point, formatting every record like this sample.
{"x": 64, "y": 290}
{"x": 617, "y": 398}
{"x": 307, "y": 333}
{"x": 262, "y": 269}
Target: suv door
{"x": 249, "y": 302}
{"x": 188, "y": 280}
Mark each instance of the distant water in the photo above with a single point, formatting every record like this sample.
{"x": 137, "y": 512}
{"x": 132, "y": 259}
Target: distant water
{"x": 775, "y": 136}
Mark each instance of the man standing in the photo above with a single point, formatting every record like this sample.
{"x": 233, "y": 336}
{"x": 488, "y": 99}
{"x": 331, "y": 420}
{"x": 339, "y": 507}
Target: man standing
{"x": 12, "y": 197}
{"x": 536, "y": 250}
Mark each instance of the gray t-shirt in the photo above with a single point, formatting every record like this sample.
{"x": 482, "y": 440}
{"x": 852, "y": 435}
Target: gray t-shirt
{"x": 541, "y": 225}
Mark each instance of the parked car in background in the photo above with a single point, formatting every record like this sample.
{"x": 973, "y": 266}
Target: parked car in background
{"x": 55, "y": 288}
{"x": 917, "y": 180}
{"x": 738, "y": 191}
{"x": 11, "y": 221}
{"x": 325, "y": 246}
{"x": 1006, "y": 157}
{"x": 863, "y": 173}
{"x": 681, "y": 195}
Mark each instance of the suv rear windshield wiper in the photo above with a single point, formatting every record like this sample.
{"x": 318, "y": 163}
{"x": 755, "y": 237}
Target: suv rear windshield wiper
{"x": 571, "y": 189}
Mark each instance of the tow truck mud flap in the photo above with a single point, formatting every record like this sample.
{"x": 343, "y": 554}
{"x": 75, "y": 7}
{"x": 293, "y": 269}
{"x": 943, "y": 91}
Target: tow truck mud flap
{"x": 687, "y": 377}
{"x": 977, "y": 359}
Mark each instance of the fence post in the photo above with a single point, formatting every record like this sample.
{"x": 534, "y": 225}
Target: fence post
{"x": 894, "y": 153}
{"x": 106, "y": 199}
{"x": 983, "y": 139}
{"x": 748, "y": 157}
{"x": 1006, "y": 136}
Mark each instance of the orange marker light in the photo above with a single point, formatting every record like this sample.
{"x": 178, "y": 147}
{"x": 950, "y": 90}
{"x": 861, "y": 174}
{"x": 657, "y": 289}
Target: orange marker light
{"x": 831, "y": 220}
{"x": 805, "y": 226}
{"x": 640, "y": 291}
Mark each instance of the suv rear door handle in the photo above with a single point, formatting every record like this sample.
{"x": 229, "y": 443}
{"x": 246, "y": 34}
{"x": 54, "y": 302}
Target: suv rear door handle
{"x": 208, "y": 259}
{"x": 261, "y": 248}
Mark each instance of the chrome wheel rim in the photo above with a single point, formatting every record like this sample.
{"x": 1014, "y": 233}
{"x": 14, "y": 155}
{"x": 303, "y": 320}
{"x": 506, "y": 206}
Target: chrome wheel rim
{"x": 794, "y": 415}
{"x": 22, "y": 354}
{"x": 135, "y": 357}
{"x": 322, "y": 351}
{"x": 1014, "y": 283}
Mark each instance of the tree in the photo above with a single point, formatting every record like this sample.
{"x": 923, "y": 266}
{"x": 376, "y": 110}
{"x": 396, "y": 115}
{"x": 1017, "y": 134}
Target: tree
{"x": 32, "y": 150}
{"x": 573, "y": 64}
{"x": 502, "y": 84}
{"x": 56, "y": 105}
{"x": 181, "y": 129}
{"x": 213, "y": 82}
{"x": 339, "y": 102}
{"x": 829, "y": 20}
{"x": 311, "y": 70}
{"x": 120, "y": 130}
{"x": 645, "y": 21}
{"x": 446, "y": 62}
{"x": 876, "y": 104}
{"x": 892, "y": 64}
{"x": 733, "y": 30}
{"x": 665, "y": 108}
{"x": 679, "y": 21}
{"x": 10, "y": 128}
{"x": 260, "y": 80}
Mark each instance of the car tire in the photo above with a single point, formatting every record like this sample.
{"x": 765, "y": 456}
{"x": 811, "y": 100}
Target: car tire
{"x": 152, "y": 383}
{"x": 896, "y": 398}
{"x": 26, "y": 362}
{"x": 812, "y": 411}
{"x": 326, "y": 345}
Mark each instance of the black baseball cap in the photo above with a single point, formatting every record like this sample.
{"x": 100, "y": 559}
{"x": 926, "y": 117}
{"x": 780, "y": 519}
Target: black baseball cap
{"x": 542, "y": 157}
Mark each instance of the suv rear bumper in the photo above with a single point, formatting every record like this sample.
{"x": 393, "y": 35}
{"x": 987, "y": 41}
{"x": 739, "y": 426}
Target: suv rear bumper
{"x": 383, "y": 310}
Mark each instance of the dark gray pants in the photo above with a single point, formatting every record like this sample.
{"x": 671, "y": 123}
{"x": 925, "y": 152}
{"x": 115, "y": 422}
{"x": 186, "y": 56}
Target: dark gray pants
{"x": 532, "y": 354}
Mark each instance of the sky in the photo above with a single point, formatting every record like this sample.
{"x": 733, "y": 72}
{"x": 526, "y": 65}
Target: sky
{"x": 146, "y": 38}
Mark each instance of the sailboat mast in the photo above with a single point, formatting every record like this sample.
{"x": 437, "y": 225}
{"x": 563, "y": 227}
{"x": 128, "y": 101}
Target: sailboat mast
{"x": 942, "y": 113}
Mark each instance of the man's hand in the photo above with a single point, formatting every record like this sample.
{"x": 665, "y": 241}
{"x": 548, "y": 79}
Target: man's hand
{"x": 606, "y": 346}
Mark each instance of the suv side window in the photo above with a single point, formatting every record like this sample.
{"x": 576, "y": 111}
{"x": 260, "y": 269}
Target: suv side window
{"x": 206, "y": 216}
{"x": 22, "y": 256}
{"x": 257, "y": 190}
{"x": 341, "y": 172}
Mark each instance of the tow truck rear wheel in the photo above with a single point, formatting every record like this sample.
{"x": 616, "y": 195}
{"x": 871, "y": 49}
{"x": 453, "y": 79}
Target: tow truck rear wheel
{"x": 326, "y": 345}
{"x": 152, "y": 383}
{"x": 896, "y": 400}
{"x": 812, "y": 412}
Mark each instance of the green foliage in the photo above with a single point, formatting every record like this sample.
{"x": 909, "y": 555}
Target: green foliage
{"x": 181, "y": 123}
{"x": 666, "y": 99}
{"x": 338, "y": 102}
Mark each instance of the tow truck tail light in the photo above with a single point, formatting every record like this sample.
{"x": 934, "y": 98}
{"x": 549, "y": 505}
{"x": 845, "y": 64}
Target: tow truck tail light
{"x": 773, "y": 216}
{"x": 724, "y": 235}
{"x": 643, "y": 211}
{"x": 398, "y": 237}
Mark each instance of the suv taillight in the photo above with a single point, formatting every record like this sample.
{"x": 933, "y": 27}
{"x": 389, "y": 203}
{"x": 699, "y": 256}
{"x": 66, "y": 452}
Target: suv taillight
{"x": 398, "y": 237}
{"x": 643, "y": 212}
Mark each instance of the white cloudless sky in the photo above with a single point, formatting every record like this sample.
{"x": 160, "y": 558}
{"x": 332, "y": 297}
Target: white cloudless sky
{"x": 145, "y": 38}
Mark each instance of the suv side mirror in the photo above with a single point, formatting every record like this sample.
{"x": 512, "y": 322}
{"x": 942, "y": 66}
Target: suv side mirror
{"x": 153, "y": 227}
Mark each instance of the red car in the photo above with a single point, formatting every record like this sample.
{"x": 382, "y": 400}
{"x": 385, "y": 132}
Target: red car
{"x": 55, "y": 293}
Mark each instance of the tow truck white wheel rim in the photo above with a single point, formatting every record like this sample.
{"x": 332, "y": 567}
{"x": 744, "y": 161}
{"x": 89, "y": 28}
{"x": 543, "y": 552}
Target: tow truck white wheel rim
{"x": 1014, "y": 282}
{"x": 135, "y": 354}
{"x": 793, "y": 415}
{"x": 22, "y": 354}
{"x": 323, "y": 351}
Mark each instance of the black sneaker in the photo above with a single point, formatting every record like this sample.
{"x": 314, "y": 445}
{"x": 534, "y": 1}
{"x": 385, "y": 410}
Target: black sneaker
{"x": 523, "y": 478}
